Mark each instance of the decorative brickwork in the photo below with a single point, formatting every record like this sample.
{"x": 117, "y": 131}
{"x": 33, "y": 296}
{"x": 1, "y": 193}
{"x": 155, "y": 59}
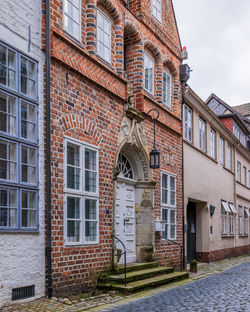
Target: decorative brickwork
{"x": 89, "y": 99}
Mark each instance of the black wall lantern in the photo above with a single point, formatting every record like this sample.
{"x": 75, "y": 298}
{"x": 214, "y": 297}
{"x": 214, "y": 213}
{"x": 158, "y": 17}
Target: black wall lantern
{"x": 212, "y": 209}
{"x": 154, "y": 154}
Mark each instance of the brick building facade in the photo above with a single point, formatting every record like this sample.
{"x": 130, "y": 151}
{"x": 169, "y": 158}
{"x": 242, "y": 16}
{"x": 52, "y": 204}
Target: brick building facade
{"x": 111, "y": 62}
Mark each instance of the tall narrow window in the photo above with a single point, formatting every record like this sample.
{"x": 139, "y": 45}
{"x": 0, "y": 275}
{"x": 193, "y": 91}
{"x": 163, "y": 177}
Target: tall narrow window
{"x": 248, "y": 178}
{"x": 203, "y": 135}
{"x": 8, "y": 67}
{"x": 246, "y": 215}
{"x": 103, "y": 37}
{"x": 18, "y": 142}
{"x": 225, "y": 211}
{"x": 238, "y": 176}
{"x": 244, "y": 175}
{"x": 168, "y": 203}
{"x": 148, "y": 73}
{"x": 8, "y": 114}
{"x": 81, "y": 191}
{"x": 166, "y": 94}
{"x": 240, "y": 221}
{"x": 188, "y": 123}
{"x": 229, "y": 157}
{"x": 72, "y": 17}
{"x": 222, "y": 151}
{"x": 156, "y": 9}
{"x": 212, "y": 143}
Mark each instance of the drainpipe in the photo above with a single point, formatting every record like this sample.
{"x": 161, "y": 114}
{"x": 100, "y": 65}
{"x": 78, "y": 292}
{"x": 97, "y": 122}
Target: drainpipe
{"x": 184, "y": 76}
{"x": 48, "y": 149}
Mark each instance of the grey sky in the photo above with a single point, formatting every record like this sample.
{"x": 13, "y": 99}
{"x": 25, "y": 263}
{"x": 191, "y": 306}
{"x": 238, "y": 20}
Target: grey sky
{"x": 217, "y": 36}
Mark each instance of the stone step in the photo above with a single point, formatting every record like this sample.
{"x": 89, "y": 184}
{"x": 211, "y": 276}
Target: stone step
{"x": 140, "y": 274}
{"x": 147, "y": 283}
{"x": 135, "y": 267}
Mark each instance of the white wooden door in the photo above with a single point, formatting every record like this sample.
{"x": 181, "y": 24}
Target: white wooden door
{"x": 125, "y": 220}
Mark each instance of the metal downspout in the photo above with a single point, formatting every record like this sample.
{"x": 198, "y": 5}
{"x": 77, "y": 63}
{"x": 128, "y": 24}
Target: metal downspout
{"x": 48, "y": 150}
{"x": 183, "y": 207}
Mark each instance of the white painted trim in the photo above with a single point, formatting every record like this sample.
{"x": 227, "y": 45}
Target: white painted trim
{"x": 110, "y": 35}
{"x": 80, "y": 19}
{"x": 168, "y": 96}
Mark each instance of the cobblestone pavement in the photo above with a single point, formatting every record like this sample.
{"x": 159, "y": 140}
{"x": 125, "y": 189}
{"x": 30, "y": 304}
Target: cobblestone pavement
{"x": 222, "y": 292}
{"x": 228, "y": 291}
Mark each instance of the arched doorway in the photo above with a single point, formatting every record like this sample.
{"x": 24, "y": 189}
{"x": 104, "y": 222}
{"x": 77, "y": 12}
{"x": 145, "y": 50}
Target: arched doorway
{"x": 125, "y": 218}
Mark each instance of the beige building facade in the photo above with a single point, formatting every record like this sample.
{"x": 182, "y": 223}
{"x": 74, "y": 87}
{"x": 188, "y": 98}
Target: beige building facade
{"x": 211, "y": 193}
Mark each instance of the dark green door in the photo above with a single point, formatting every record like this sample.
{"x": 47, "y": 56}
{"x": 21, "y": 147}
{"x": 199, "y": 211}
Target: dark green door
{"x": 191, "y": 231}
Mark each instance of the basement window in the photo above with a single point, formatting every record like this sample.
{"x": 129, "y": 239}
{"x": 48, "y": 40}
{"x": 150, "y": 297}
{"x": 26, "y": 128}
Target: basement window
{"x": 23, "y": 292}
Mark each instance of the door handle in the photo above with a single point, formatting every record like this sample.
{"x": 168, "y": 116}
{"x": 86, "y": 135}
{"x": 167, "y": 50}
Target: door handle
{"x": 125, "y": 220}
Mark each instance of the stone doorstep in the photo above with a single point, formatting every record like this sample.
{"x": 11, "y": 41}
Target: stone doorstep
{"x": 139, "y": 275}
{"x": 149, "y": 282}
{"x": 135, "y": 266}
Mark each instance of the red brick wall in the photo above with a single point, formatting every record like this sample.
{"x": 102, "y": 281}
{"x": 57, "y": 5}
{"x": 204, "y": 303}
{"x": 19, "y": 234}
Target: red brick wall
{"x": 228, "y": 122}
{"x": 90, "y": 108}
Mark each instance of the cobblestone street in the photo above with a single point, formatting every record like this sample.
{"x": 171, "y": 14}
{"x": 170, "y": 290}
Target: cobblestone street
{"x": 228, "y": 291}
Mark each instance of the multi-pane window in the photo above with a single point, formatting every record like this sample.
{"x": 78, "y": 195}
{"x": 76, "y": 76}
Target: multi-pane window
{"x": 246, "y": 215}
{"x": 188, "y": 123}
{"x": 72, "y": 17}
{"x": 156, "y": 9}
{"x": 149, "y": 73}
{"x": 103, "y": 37}
{"x": 168, "y": 203}
{"x": 244, "y": 175}
{"x": 231, "y": 224}
{"x": 222, "y": 151}
{"x": 8, "y": 67}
{"x": 225, "y": 210}
{"x": 81, "y": 193}
{"x": 240, "y": 221}
{"x": 229, "y": 157}
{"x": 203, "y": 135}
{"x": 19, "y": 142}
{"x": 238, "y": 174}
{"x": 212, "y": 143}
{"x": 166, "y": 94}
{"x": 248, "y": 178}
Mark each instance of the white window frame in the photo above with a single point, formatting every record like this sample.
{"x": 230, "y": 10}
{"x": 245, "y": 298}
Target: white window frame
{"x": 246, "y": 215}
{"x": 240, "y": 220}
{"x": 222, "y": 151}
{"x": 203, "y": 135}
{"x": 166, "y": 89}
{"x": 229, "y": 157}
{"x": 249, "y": 178}
{"x": 213, "y": 143}
{"x": 168, "y": 206}
{"x": 81, "y": 193}
{"x": 188, "y": 124}
{"x": 149, "y": 59}
{"x": 99, "y": 42}
{"x": 69, "y": 30}
{"x": 238, "y": 173}
{"x": 231, "y": 224}
{"x": 156, "y": 9}
{"x": 244, "y": 175}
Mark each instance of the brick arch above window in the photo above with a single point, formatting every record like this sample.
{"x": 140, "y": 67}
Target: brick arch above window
{"x": 171, "y": 66}
{"x": 111, "y": 9}
{"x": 153, "y": 49}
{"x": 131, "y": 32}
{"x": 83, "y": 127}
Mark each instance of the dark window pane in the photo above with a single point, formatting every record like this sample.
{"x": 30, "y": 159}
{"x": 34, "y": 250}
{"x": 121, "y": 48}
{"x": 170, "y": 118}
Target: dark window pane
{"x": 90, "y": 159}
{"x": 3, "y": 217}
{"x": 90, "y": 230}
{"x": 3, "y": 169}
{"x": 90, "y": 209}
{"x": 24, "y": 218}
{"x": 24, "y": 154}
{"x": 24, "y": 199}
{"x": 90, "y": 181}
{"x": 73, "y": 178}
{"x": 73, "y": 208}
{"x": 73, "y": 231}
{"x": 3, "y": 122}
{"x": 24, "y": 173}
{"x": 24, "y": 66}
{"x": 2, "y": 55}
{"x": 73, "y": 155}
{"x": 3, "y": 198}
{"x": 24, "y": 84}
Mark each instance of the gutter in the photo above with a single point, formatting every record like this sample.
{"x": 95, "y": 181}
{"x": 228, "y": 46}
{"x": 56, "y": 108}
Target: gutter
{"x": 48, "y": 149}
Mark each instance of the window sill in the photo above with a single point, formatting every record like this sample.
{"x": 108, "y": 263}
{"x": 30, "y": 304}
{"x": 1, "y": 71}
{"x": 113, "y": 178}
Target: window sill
{"x": 244, "y": 185}
{"x": 17, "y": 231}
{"x": 76, "y": 245}
{"x": 227, "y": 235}
{"x": 243, "y": 235}
{"x": 229, "y": 170}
